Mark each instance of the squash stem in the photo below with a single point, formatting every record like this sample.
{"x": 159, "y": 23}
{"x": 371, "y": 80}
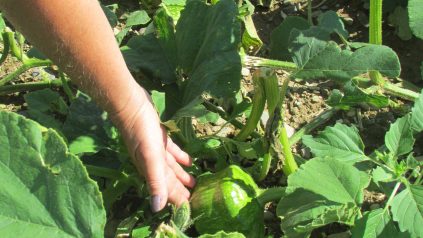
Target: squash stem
{"x": 6, "y": 47}
{"x": 259, "y": 102}
{"x": 313, "y": 124}
{"x": 375, "y": 35}
{"x": 30, "y": 63}
{"x": 310, "y": 12}
{"x": 270, "y": 195}
{"x": 289, "y": 165}
{"x": 32, "y": 86}
{"x": 254, "y": 62}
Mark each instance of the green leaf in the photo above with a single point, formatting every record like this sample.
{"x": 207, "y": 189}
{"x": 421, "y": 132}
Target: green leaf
{"x": 139, "y": 17}
{"x": 141, "y": 232}
{"x": 222, "y": 234}
{"x": 208, "y": 38}
{"x": 279, "y": 38}
{"x": 340, "y": 142}
{"x": 2, "y": 23}
{"x": 321, "y": 59}
{"x": 159, "y": 101}
{"x": 399, "y": 139}
{"x": 399, "y": 19}
{"x": 329, "y": 177}
{"x": 407, "y": 210}
{"x": 352, "y": 95}
{"x": 331, "y": 22}
{"x": 44, "y": 106}
{"x": 321, "y": 192}
{"x": 374, "y": 224}
{"x": 48, "y": 192}
{"x": 380, "y": 174}
{"x": 87, "y": 127}
{"x": 111, "y": 16}
{"x": 154, "y": 54}
{"x": 415, "y": 13}
{"x": 416, "y": 114}
{"x": 250, "y": 39}
{"x": 174, "y": 8}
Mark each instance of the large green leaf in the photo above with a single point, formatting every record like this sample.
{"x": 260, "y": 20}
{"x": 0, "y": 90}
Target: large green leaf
{"x": 207, "y": 39}
{"x": 46, "y": 191}
{"x": 321, "y": 59}
{"x": 340, "y": 142}
{"x": 416, "y": 114}
{"x": 415, "y": 14}
{"x": 203, "y": 48}
{"x": 374, "y": 224}
{"x": 399, "y": 139}
{"x": 279, "y": 38}
{"x": 322, "y": 191}
{"x": 44, "y": 106}
{"x": 87, "y": 127}
{"x": 407, "y": 210}
{"x": 154, "y": 54}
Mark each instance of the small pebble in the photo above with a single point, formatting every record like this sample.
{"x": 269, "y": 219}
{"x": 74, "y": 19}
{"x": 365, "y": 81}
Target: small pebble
{"x": 289, "y": 130}
{"x": 305, "y": 153}
{"x": 315, "y": 98}
{"x": 245, "y": 72}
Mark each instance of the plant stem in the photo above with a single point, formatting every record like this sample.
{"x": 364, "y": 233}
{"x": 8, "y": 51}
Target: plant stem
{"x": 270, "y": 195}
{"x": 259, "y": 102}
{"x": 213, "y": 108}
{"x": 375, "y": 28}
{"x": 375, "y": 35}
{"x": 66, "y": 87}
{"x": 399, "y": 91}
{"x": 254, "y": 61}
{"x": 313, "y": 124}
{"x": 9, "y": 89}
{"x": 265, "y": 166}
{"x": 6, "y": 47}
{"x": 105, "y": 172}
{"x": 310, "y": 12}
{"x": 394, "y": 192}
{"x": 30, "y": 63}
{"x": 289, "y": 165}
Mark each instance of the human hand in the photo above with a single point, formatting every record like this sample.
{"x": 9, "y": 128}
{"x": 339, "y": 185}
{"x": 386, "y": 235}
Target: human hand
{"x": 154, "y": 154}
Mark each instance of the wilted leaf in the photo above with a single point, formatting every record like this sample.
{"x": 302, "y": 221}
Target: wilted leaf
{"x": 222, "y": 234}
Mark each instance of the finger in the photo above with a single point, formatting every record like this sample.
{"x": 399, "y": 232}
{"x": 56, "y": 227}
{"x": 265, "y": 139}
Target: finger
{"x": 179, "y": 155}
{"x": 153, "y": 155}
{"x": 185, "y": 178}
{"x": 178, "y": 194}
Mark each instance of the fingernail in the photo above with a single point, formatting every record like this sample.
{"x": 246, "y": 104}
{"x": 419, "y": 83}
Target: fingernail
{"x": 155, "y": 202}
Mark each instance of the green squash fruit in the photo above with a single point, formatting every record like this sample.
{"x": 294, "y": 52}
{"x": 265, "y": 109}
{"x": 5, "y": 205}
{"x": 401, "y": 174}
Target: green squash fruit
{"x": 226, "y": 201}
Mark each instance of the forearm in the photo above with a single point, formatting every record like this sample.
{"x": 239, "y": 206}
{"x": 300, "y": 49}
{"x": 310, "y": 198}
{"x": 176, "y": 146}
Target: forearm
{"x": 77, "y": 37}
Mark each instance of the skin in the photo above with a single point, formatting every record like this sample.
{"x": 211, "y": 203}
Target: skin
{"x": 78, "y": 38}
